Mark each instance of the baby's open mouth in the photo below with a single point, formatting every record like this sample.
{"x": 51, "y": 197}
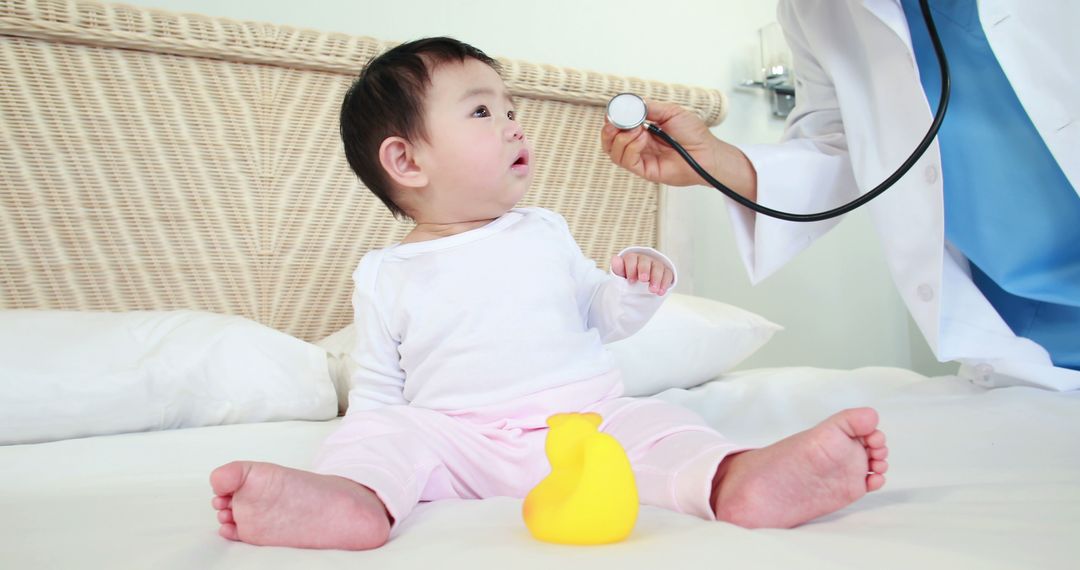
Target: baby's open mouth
{"x": 522, "y": 158}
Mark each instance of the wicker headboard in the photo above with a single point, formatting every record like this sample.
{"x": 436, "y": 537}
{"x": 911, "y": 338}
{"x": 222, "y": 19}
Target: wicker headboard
{"x": 151, "y": 160}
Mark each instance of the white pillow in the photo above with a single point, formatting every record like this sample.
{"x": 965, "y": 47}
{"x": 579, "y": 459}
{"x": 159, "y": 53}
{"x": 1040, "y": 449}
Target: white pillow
{"x": 67, "y": 374}
{"x": 689, "y": 341}
{"x": 339, "y": 347}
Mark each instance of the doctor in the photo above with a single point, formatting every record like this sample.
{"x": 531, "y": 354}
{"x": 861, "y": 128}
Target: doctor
{"x": 982, "y": 235}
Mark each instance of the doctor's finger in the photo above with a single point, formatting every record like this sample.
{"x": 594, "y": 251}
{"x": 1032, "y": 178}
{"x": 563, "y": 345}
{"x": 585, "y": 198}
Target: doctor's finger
{"x": 607, "y": 135}
{"x": 631, "y": 157}
{"x": 619, "y": 145}
{"x": 615, "y": 147}
{"x": 661, "y": 111}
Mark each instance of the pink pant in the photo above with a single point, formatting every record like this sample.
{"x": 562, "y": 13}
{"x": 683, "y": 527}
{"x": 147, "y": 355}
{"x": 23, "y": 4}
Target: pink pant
{"x": 408, "y": 454}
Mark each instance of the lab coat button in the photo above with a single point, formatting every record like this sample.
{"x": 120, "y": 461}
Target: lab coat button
{"x": 984, "y": 375}
{"x": 925, "y": 292}
{"x": 931, "y": 174}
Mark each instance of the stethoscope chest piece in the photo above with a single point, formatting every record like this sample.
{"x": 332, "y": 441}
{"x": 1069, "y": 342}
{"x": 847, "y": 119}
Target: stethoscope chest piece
{"x": 626, "y": 111}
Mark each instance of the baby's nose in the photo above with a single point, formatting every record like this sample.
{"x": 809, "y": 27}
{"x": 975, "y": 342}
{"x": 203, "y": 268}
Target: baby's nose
{"x": 515, "y": 132}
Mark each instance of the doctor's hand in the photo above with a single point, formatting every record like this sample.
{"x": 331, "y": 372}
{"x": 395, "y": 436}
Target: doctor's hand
{"x": 636, "y": 267}
{"x": 646, "y": 156}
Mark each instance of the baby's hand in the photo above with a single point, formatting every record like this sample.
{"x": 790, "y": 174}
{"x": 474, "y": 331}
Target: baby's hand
{"x": 645, "y": 268}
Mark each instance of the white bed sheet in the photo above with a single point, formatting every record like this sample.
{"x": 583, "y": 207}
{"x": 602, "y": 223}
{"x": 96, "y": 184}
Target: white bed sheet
{"x": 978, "y": 479}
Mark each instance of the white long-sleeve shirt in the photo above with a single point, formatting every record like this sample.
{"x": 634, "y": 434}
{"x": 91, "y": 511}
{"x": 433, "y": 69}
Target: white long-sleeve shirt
{"x": 488, "y": 315}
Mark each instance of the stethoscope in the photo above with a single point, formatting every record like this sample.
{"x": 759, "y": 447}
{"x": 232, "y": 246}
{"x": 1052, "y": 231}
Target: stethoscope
{"x": 628, "y": 111}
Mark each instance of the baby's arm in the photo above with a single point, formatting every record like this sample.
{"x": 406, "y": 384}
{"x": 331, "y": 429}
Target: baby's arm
{"x": 378, "y": 379}
{"x": 614, "y": 305}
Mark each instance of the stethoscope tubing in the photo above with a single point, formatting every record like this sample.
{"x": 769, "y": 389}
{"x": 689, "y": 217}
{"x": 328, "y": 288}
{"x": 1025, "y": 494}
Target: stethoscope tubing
{"x": 939, "y": 116}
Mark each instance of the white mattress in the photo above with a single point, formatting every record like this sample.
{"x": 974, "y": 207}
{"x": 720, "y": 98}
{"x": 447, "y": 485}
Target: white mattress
{"x": 978, "y": 479}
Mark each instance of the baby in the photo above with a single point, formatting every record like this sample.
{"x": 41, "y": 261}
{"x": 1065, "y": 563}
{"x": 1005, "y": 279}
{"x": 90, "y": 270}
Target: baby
{"x": 485, "y": 320}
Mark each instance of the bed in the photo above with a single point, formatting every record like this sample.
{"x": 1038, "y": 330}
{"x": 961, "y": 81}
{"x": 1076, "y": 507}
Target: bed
{"x": 184, "y": 172}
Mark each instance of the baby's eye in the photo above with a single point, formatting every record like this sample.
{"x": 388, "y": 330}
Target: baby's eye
{"x": 511, "y": 115}
{"x": 481, "y": 111}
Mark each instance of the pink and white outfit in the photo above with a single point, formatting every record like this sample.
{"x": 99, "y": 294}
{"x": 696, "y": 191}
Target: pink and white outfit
{"x": 466, "y": 344}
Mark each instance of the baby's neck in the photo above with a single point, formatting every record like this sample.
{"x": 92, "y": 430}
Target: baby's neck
{"x": 426, "y": 231}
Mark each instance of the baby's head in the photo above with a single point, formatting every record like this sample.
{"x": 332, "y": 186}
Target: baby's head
{"x": 429, "y": 127}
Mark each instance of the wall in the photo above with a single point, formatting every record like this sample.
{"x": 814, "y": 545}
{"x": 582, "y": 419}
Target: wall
{"x": 836, "y": 300}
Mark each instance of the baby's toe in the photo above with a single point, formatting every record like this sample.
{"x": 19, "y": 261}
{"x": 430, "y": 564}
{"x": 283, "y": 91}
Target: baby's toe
{"x": 228, "y": 478}
{"x": 874, "y": 481}
{"x": 879, "y": 466}
{"x": 229, "y": 531}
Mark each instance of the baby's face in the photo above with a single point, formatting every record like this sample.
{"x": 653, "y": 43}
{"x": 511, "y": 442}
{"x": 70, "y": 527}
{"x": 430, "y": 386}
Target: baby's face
{"x": 476, "y": 155}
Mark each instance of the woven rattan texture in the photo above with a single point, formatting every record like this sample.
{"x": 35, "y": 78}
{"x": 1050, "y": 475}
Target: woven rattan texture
{"x": 151, "y": 160}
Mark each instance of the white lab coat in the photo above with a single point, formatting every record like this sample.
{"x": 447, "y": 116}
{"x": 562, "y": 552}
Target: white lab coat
{"x": 860, "y": 111}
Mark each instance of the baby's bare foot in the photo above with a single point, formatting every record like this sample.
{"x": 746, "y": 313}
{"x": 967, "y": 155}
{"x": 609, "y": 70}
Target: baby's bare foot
{"x": 804, "y": 476}
{"x": 271, "y": 505}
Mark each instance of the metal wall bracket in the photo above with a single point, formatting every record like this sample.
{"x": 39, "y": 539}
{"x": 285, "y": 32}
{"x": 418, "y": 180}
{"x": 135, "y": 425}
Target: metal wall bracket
{"x": 780, "y": 87}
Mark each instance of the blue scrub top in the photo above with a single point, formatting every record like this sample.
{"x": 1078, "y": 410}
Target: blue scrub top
{"x": 1008, "y": 206}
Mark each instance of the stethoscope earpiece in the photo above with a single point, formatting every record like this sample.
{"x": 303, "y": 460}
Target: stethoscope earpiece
{"x": 626, "y": 111}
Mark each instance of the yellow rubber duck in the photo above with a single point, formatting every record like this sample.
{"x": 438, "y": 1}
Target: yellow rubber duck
{"x": 590, "y": 496}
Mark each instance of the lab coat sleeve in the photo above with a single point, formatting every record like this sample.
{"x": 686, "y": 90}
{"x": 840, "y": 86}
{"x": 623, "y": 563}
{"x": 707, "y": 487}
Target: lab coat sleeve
{"x": 808, "y": 171}
{"x": 378, "y": 379}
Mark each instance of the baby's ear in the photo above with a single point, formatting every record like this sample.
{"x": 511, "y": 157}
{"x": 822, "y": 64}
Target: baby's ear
{"x": 397, "y": 157}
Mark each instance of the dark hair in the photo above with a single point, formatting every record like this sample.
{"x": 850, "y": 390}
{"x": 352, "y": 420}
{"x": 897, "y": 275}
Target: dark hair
{"x": 388, "y": 100}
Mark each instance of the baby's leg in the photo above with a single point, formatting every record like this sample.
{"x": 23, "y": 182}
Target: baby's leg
{"x": 272, "y": 505}
{"x": 804, "y": 476}
{"x": 680, "y": 463}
